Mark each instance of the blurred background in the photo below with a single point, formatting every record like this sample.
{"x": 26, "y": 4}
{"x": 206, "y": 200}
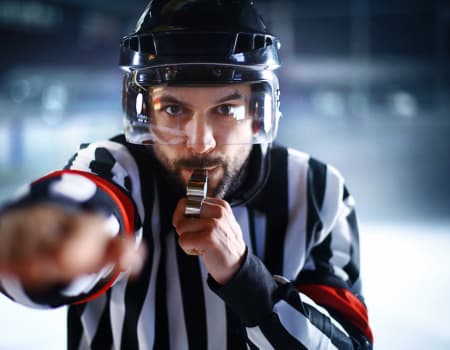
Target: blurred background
{"x": 365, "y": 86}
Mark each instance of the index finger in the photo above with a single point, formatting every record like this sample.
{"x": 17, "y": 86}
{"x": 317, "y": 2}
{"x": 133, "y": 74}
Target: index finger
{"x": 211, "y": 208}
{"x": 178, "y": 214}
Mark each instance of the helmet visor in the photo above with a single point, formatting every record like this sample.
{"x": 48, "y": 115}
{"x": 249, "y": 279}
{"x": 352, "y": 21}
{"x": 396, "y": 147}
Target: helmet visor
{"x": 219, "y": 114}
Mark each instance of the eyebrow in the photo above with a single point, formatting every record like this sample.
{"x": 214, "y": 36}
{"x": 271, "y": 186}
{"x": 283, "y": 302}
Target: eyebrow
{"x": 234, "y": 96}
{"x": 171, "y": 99}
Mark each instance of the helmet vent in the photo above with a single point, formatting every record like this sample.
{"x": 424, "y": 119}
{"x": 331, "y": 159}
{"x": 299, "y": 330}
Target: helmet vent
{"x": 142, "y": 43}
{"x": 147, "y": 44}
{"x": 134, "y": 44}
{"x": 260, "y": 41}
{"x": 246, "y": 42}
{"x": 181, "y": 46}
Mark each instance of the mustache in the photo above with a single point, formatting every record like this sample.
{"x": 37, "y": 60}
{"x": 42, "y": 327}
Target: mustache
{"x": 199, "y": 162}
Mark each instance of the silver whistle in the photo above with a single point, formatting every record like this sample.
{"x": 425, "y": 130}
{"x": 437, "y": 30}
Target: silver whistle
{"x": 196, "y": 190}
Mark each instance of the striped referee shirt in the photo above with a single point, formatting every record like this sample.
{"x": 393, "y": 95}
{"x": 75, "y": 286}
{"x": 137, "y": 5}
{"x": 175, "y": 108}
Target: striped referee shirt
{"x": 298, "y": 288}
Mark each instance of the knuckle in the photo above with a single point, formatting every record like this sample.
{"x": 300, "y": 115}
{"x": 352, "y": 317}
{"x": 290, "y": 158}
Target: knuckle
{"x": 212, "y": 224}
{"x": 220, "y": 212}
{"x": 226, "y": 205}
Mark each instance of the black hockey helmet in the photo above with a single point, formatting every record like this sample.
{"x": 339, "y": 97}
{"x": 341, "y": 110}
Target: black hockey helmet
{"x": 199, "y": 43}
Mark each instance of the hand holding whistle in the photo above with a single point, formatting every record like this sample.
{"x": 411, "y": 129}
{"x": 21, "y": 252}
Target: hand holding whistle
{"x": 196, "y": 190}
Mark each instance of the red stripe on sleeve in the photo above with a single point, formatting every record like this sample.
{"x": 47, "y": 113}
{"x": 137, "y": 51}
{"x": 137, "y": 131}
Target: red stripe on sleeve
{"x": 124, "y": 204}
{"x": 342, "y": 301}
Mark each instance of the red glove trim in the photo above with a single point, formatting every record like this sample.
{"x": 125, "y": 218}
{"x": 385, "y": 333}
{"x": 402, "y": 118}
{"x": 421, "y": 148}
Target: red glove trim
{"x": 342, "y": 301}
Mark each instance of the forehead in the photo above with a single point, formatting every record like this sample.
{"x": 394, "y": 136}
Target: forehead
{"x": 203, "y": 93}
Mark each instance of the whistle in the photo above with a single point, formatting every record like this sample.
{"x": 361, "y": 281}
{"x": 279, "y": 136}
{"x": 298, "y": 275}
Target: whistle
{"x": 196, "y": 190}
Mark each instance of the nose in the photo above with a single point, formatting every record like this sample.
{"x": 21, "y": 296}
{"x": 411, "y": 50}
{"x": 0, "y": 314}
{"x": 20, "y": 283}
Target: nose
{"x": 200, "y": 136}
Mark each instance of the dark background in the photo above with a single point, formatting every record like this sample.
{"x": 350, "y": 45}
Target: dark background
{"x": 365, "y": 86}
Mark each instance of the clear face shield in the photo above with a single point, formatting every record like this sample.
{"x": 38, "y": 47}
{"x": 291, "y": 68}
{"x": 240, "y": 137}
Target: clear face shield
{"x": 176, "y": 111}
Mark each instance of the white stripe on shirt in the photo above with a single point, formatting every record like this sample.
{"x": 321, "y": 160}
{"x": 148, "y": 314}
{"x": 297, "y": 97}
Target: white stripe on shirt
{"x": 257, "y": 337}
{"x": 332, "y": 198}
{"x": 146, "y": 335}
{"x": 91, "y": 316}
{"x": 117, "y": 311}
{"x": 295, "y": 239}
{"x": 15, "y": 290}
{"x": 216, "y": 316}
{"x": 178, "y": 338}
{"x": 301, "y": 328}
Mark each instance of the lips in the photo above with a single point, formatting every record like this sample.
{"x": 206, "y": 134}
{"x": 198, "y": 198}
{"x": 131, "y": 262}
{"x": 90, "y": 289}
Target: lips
{"x": 210, "y": 170}
{"x": 187, "y": 166}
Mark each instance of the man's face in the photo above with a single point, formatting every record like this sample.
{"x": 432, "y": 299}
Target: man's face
{"x": 203, "y": 127}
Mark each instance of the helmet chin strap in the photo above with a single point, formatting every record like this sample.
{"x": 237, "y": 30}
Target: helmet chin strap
{"x": 254, "y": 181}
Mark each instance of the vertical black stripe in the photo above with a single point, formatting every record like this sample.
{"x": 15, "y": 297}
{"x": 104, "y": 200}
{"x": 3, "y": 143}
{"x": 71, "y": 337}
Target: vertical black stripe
{"x": 275, "y": 203}
{"x": 193, "y": 299}
{"x": 316, "y": 182}
{"x": 236, "y": 335}
{"x": 135, "y": 294}
{"x": 321, "y": 255}
{"x": 128, "y": 184}
{"x": 318, "y": 176}
{"x": 136, "y": 290}
{"x": 74, "y": 326}
{"x": 353, "y": 266}
{"x": 103, "y": 338}
{"x": 251, "y": 228}
{"x": 161, "y": 313}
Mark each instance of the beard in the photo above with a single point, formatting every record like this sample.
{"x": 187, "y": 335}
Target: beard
{"x": 232, "y": 168}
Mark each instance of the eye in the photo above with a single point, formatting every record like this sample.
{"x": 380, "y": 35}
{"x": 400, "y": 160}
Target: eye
{"x": 225, "y": 110}
{"x": 174, "y": 110}
{"x": 236, "y": 112}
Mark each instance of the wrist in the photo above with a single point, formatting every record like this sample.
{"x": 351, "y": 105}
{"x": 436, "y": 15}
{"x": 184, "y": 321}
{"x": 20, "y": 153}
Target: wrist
{"x": 225, "y": 275}
{"x": 250, "y": 293}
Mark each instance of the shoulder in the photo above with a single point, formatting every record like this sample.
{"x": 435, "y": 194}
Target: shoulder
{"x": 114, "y": 145}
{"x": 109, "y": 151}
{"x": 313, "y": 183}
{"x": 108, "y": 158}
{"x": 318, "y": 171}
{"x": 299, "y": 162}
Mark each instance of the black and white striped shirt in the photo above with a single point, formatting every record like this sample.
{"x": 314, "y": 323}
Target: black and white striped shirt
{"x": 299, "y": 286}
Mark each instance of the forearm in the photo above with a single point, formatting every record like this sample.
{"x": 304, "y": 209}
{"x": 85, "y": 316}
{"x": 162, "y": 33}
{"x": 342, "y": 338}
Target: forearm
{"x": 277, "y": 316}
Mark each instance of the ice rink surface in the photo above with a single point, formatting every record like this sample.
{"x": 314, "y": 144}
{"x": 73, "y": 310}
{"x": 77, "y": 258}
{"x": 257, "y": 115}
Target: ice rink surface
{"x": 406, "y": 271}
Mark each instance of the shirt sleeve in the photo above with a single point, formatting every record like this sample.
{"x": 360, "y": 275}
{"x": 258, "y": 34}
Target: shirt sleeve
{"x": 322, "y": 308}
{"x": 98, "y": 178}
